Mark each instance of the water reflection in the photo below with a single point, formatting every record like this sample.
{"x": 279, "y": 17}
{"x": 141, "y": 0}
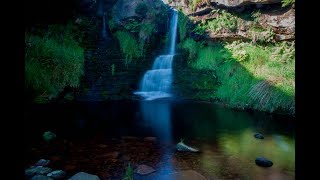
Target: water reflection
{"x": 225, "y": 137}
{"x": 156, "y": 116}
{"x": 278, "y": 148}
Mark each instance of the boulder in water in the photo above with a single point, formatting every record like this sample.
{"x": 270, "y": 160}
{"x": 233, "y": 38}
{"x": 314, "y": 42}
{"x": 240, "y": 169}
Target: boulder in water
{"x": 144, "y": 169}
{"x": 183, "y": 147}
{"x": 185, "y": 175}
{"x": 42, "y": 162}
{"x": 41, "y": 177}
{"x": 258, "y": 136}
{"x": 37, "y": 170}
{"x": 84, "y": 176}
{"x": 57, "y": 174}
{"x": 49, "y": 136}
{"x": 263, "y": 162}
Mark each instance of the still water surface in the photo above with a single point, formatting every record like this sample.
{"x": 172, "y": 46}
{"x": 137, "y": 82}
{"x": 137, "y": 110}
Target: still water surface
{"x": 224, "y": 136}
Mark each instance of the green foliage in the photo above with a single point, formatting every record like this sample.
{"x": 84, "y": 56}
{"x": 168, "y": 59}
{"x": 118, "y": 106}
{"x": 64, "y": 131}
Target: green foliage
{"x": 286, "y": 3}
{"x": 147, "y": 30}
{"x": 250, "y": 75}
{"x": 128, "y": 173}
{"x": 128, "y": 45}
{"x": 256, "y": 15}
{"x": 200, "y": 29}
{"x": 284, "y": 52}
{"x": 141, "y": 9}
{"x": 53, "y": 61}
{"x": 113, "y": 69}
{"x": 183, "y": 25}
{"x": 192, "y": 47}
{"x": 224, "y": 21}
{"x": 239, "y": 53}
{"x": 112, "y": 24}
{"x": 132, "y": 25}
{"x": 193, "y": 4}
{"x": 209, "y": 57}
{"x": 48, "y": 136}
{"x": 105, "y": 94}
{"x": 258, "y": 34}
{"x": 262, "y": 82}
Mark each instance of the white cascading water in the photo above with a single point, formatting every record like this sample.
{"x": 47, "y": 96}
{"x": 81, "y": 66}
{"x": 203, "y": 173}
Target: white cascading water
{"x": 104, "y": 31}
{"x": 156, "y": 83}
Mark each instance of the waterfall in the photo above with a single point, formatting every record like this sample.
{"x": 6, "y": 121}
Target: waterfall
{"x": 156, "y": 83}
{"x": 173, "y": 33}
{"x": 104, "y": 31}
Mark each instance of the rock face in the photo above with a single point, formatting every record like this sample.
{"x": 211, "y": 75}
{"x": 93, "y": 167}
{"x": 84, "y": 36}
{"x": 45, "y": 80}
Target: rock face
{"x": 124, "y": 9}
{"x": 263, "y": 162}
{"x": 144, "y": 169}
{"x": 274, "y": 23}
{"x": 84, "y": 176}
{"x": 235, "y": 3}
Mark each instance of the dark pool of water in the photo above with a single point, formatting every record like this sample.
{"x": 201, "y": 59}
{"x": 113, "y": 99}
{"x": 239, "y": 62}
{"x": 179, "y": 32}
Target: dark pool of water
{"x": 224, "y": 136}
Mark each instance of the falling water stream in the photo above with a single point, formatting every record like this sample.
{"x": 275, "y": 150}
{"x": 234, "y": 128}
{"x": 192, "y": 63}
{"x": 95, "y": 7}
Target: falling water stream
{"x": 156, "y": 83}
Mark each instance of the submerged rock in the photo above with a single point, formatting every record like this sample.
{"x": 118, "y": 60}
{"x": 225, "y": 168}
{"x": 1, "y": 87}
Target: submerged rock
{"x": 41, "y": 177}
{"x": 264, "y": 162}
{"x": 37, "y": 170}
{"x": 84, "y": 176}
{"x": 183, "y": 147}
{"x": 57, "y": 174}
{"x": 185, "y": 175}
{"x": 42, "y": 162}
{"x": 258, "y": 136}
{"x": 150, "y": 139}
{"x": 144, "y": 169}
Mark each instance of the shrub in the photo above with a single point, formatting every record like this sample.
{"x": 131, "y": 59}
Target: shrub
{"x": 53, "y": 62}
{"x": 224, "y": 21}
{"x": 192, "y": 47}
{"x": 128, "y": 45}
{"x": 286, "y": 3}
